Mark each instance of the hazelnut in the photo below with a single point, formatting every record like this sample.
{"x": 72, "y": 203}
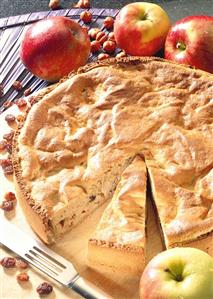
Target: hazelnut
{"x": 109, "y": 46}
{"x": 108, "y": 22}
{"x": 83, "y": 4}
{"x": 21, "y": 103}
{"x": 95, "y": 46}
{"x": 17, "y": 85}
{"x": 86, "y": 16}
{"x": 103, "y": 56}
{"x": 54, "y": 4}
{"x": 27, "y": 92}
{"x": 101, "y": 37}
{"x": 121, "y": 54}
{"x": 93, "y": 32}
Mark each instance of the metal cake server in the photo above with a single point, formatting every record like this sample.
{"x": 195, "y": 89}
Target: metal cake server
{"x": 46, "y": 260}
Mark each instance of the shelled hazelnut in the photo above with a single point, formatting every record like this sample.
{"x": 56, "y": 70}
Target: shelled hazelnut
{"x": 101, "y": 37}
{"x": 95, "y": 46}
{"x": 54, "y": 4}
{"x": 17, "y": 85}
{"x": 108, "y": 23}
{"x": 93, "y": 32}
{"x": 86, "y": 16}
{"x": 103, "y": 56}
{"x": 83, "y": 4}
{"x": 109, "y": 46}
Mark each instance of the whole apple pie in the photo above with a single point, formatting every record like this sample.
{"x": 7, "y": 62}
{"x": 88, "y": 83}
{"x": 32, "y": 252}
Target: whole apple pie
{"x": 75, "y": 147}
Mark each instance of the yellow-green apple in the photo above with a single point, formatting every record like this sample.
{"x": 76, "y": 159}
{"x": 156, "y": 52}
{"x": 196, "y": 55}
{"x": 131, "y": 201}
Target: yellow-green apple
{"x": 141, "y": 28}
{"x": 190, "y": 41}
{"x": 185, "y": 273}
{"x": 53, "y": 47}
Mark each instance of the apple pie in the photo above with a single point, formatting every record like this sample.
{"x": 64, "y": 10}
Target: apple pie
{"x": 71, "y": 151}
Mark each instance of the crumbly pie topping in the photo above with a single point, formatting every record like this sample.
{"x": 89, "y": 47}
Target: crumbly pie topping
{"x": 78, "y": 139}
{"x": 123, "y": 221}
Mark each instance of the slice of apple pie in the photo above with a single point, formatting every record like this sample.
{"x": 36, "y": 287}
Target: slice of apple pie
{"x": 119, "y": 240}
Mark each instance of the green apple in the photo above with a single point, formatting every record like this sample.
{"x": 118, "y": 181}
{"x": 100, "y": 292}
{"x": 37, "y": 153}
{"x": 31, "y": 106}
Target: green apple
{"x": 178, "y": 273}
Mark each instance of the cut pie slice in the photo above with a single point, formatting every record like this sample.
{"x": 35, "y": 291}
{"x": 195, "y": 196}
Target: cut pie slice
{"x": 119, "y": 240}
{"x": 185, "y": 215}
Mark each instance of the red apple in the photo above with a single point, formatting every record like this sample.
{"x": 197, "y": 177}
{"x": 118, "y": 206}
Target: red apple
{"x": 53, "y": 47}
{"x": 185, "y": 273}
{"x": 190, "y": 41}
{"x": 141, "y": 28}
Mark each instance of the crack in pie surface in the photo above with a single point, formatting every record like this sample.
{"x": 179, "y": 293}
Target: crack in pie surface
{"x": 80, "y": 136}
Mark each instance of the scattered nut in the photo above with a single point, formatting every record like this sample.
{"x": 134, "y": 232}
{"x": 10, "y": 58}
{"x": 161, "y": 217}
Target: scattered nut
{"x": 27, "y": 92}
{"x": 10, "y": 118}
{"x": 93, "y": 32}
{"x": 83, "y": 4}
{"x": 95, "y": 46}
{"x": 21, "y": 264}
{"x": 54, "y": 4}
{"x": 9, "y": 148}
{"x": 7, "y": 206}
{"x": 109, "y": 46}
{"x": 8, "y": 262}
{"x": 103, "y": 56}
{"x": 7, "y": 104}
{"x": 3, "y": 144}
{"x": 21, "y": 103}
{"x": 20, "y": 118}
{"x": 22, "y": 277}
{"x": 108, "y": 22}
{"x": 9, "y": 196}
{"x": 44, "y": 288}
{"x": 7, "y": 166}
{"x": 9, "y": 136}
{"x": 17, "y": 85}
{"x": 86, "y": 16}
{"x": 101, "y": 37}
{"x": 32, "y": 100}
{"x": 111, "y": 36}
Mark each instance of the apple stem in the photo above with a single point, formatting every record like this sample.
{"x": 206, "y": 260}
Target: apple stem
{"x": 144, "y": 17}
{"x": 177, "y": 277}
{"x": 181, "y": 46}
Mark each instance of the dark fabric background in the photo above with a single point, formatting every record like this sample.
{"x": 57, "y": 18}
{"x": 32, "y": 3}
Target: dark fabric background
{"x": 175, "y": 8}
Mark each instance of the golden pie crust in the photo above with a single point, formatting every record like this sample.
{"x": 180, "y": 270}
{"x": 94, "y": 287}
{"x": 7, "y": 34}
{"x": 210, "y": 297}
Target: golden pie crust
{"x": 70, "y": 152}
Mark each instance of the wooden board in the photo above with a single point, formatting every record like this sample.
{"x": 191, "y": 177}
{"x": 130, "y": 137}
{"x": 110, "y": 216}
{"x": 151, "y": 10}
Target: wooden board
{"x": 73, "y": 246}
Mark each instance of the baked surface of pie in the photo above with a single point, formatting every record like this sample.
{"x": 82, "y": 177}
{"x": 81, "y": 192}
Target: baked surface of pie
{"x": 119, "y": 240}
{"x": 79, "y": 137}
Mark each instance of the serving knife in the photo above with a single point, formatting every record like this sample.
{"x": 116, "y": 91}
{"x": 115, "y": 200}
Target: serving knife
{"x": 46, "y": 260}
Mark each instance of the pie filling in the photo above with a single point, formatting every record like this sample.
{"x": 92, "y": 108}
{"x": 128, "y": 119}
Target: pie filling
{"x": 77, "y": 141}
